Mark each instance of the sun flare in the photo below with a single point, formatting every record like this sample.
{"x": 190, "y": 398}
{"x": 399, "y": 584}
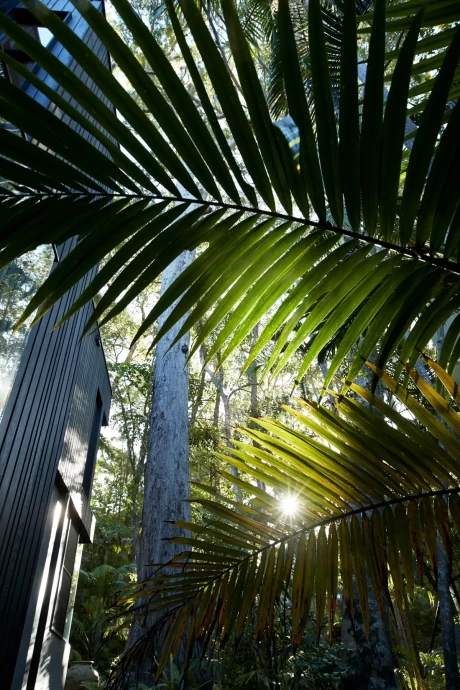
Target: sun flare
{"x": 289, "y": 505}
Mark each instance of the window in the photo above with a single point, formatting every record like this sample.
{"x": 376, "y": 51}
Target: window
{"x": 32, "y": 25}
{"x": 45, "y": 36}
{"x": 65, "y": 584}
{"x": 92, "y": 447}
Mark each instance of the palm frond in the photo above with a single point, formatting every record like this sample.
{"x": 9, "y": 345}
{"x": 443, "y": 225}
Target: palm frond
{"x": 334, "y": 241}
{"x": 371, "y": 487}
{"x": 256, "y": 20}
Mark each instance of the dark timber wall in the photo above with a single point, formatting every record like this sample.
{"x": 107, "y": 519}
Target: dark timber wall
{"x": 81, "y": 29}
{"x": 50, "y": 427}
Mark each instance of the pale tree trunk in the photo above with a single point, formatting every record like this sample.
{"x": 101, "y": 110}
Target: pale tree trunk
{"x": 198, "y": 399}
{"x": 166, "y": 474}
{"x": 252, "y": 376}
{"x": 228, "y": 437}
{"x": 217, "y": 378}
{"x": 197, "y": 402}
{"x": 214, "y": 475}
{"x": 215, "y": 416}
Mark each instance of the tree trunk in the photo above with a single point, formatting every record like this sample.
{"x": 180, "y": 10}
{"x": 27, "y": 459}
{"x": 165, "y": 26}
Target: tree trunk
{"x": 166, "y": 473}
{"x": 199, "y": 395}
{"x": 217, "y": 378}
{"x": 323, "y": 366}
{"x": 215, "y": 417}
{"x": 254, "y": 411}
{"x": 228, "y": 440}
{"x": 370, "y": 659}
{"x": 446, "y": 612}
{"x": 447, "y": 621}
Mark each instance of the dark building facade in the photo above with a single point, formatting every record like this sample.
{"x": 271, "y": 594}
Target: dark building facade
{"x": 55, "y": 395}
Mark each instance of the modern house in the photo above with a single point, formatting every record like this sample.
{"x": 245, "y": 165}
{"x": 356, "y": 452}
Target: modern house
{"x": 55, "y": 395}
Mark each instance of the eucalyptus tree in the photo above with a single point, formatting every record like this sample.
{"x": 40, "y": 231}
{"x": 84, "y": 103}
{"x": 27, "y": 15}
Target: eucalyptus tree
{"x": 166, "y": 470}
{"x": 354, "y": 231}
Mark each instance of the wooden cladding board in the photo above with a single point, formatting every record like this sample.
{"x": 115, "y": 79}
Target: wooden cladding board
{"x": 91, "y": 381}
{"x": 46, "y": 426}
{"x": 80, "y": 28}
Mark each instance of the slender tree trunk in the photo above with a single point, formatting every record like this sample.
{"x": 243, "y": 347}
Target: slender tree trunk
{"x": 434, "y": 630}
{"x": 252, "y": 376}
{"x": 413, "y": 640}
{"x": 166, "y": 473}
{"x": 440, "y": 335}
{"x": 455, "y": 595}
{"x": 215, "y": 418}
{"x": 217, "y": 378}
{"x": 228, "y": 439}
{"x": 199, "y": 396}
{"x": 227, "y": 421}
{"x": 371, "y": 659}
{"x": 323, "y": 367}
{"x": 446, "y": 611}
{"x": 198, "y": 399}
{"x": 447, "y": 621}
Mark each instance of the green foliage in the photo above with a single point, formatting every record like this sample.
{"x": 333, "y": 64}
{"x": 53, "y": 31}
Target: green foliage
{"x": 273, "y": 261}
{"x": 18, "y": 282}
{"x": 92, "y": 635}
{"x": 434, "y": 669}
{"x": 369, "y": 461}
{"x": 355, "y": 256}
{"x": 314, "y": 666}
{"x": 434, "y": 665}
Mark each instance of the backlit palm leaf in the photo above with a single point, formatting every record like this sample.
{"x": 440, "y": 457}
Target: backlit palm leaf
{"x": 369, "y": 483}
{"x": 335, "y": 241}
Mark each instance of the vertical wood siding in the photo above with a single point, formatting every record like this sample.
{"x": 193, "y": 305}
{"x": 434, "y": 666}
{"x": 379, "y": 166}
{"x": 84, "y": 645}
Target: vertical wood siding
{"x": 47, "y": 422}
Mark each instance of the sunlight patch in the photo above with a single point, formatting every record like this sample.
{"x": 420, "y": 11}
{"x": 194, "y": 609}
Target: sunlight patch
{"x": 289, "y": 505}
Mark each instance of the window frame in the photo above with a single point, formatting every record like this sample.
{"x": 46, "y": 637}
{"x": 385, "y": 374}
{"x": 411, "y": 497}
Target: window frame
{"x": 60, "y": 630}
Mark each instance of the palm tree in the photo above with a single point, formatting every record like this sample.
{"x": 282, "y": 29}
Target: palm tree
{"x": 351, "y": 233}
{"x": 364, "y": 493}
{"x": 344, "y": 237}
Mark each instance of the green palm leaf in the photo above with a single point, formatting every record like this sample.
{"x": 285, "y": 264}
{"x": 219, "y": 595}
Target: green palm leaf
{"x": 354, "y": 522}
{"x": 291, "y": 269}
